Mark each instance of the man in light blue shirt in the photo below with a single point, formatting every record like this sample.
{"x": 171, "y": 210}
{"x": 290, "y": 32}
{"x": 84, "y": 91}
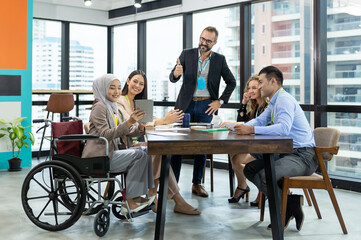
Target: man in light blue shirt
{"x": 283, "y": 117}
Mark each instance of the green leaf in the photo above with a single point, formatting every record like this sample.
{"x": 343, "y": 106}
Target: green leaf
{"x": 19, "y": 119}
{"x": 32, "y": 138}
{"x": 1, "y": 135}
{"x": 3, "y": 121}
{"x": 12, "y": 135}
{"x": 26, "y": 144}
{"x": 19, "y": 132}
{"x": 4, "y": 129}
{"x": 19, "y": 144}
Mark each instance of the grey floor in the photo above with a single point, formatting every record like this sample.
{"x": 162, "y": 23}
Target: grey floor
{"x": 219, "y": 220}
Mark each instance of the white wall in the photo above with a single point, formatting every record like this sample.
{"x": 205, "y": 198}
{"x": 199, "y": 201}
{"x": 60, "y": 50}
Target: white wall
{"x": 73, "y": 14}
{"x": 83, "y": 15}
{"x": 13, "y": 111}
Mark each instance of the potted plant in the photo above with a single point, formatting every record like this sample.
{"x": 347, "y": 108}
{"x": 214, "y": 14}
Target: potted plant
{"x": 18, "y": 139}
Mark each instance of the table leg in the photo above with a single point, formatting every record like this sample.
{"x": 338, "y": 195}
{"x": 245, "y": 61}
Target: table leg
{"x": 274, "y": 202}
{"x": 231, "y": 177}
{"x": 162, "y": 198}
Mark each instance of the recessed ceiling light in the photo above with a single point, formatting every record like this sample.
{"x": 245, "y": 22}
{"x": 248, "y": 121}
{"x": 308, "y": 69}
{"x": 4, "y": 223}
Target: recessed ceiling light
{"x": 87, "y": 3}
{"x": 137, "y": 3}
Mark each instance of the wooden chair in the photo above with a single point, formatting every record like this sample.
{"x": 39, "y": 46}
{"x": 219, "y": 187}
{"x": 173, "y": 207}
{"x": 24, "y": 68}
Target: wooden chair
{"x": 57, "y": 103}
{"x": 326, "y": 146}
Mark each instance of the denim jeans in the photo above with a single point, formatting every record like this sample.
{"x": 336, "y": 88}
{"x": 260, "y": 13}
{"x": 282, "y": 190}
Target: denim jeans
{"x": 197, "y": 111}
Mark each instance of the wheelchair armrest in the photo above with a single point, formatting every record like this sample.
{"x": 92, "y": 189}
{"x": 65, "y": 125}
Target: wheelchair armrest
{"x": 81, "y": 137}
{"x": 78, "y": 137}
{"x": 70, "y": 118}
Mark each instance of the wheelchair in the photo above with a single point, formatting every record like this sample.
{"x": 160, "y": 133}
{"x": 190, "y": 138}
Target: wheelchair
{"x": 57, "y": 192}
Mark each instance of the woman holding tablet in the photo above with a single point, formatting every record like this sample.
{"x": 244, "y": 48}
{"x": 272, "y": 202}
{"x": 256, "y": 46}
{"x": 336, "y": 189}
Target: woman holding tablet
{"x": 136, "y": 88}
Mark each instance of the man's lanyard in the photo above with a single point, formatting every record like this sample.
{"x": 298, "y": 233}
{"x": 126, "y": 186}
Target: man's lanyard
{"x": 126, "y": 97}
{"x": 273, "y": 113}
{"x": 115, "y": 119}
{"x": 202, "y": 69}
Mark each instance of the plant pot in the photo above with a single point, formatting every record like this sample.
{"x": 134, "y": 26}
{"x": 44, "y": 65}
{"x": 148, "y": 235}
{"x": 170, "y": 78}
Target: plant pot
{"x": 14, "y": 164}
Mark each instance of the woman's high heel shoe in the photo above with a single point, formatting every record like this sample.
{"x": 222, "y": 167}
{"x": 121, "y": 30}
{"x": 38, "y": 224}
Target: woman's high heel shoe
{"x": 245, "y": 193}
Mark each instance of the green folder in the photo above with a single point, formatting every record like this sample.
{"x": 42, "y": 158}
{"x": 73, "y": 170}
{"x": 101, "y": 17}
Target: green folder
{"x": 212, "y": 129}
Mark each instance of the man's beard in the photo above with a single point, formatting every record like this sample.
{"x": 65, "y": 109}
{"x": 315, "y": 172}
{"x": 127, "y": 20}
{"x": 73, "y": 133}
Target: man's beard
{"x": 203, "y": 50}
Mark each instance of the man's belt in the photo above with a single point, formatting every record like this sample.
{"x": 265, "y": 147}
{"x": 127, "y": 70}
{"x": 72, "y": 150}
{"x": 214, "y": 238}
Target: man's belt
{"x": 200, "y": 98}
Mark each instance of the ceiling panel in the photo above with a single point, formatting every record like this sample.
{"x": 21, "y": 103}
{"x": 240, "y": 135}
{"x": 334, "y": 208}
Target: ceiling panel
{"x": 104, "y": 5}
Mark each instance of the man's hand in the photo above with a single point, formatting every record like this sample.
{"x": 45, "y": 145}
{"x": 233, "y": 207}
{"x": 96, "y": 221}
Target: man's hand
{"x": 178, "y": 69}
{"x": 213, "y": 107}
{"x": 243, "y": 129}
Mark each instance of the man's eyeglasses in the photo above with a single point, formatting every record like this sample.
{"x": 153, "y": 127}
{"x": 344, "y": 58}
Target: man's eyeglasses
{"x": 202, "y": 39}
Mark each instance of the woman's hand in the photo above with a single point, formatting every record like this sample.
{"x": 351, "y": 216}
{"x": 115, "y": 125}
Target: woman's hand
{"x": 171, "y": 117}
{"x": 141, "y": 126}
{"x": 246, "y": 98}
{"x": 135, "y": 117}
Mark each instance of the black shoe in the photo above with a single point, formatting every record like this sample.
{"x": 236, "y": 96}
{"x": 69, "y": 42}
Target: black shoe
{"x": 254, "y": 203}
{"x": 287, "y": 221}
{"x": 295, "y": 207}
{"x": 236, "y": 200}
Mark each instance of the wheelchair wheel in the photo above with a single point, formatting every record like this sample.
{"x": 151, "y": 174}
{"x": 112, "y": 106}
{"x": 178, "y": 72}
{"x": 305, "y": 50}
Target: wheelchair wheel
{"x": 101, "y": 223}
{"x": 42, "y": 198}
{"x": 116, "y": 209}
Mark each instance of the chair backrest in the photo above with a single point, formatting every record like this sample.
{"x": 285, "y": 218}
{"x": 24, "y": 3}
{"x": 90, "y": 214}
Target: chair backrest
{"x": 326, "y": 137}
{"x": 73, "y": 148}
{"x": 60, "y": 103}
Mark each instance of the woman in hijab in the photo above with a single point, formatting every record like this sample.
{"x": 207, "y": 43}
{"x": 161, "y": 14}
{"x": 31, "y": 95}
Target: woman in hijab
{"x": 106, "y": 121}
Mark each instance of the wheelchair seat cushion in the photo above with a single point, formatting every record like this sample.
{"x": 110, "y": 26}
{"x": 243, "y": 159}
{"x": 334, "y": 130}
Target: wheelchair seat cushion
{"x": 94, "y": 167}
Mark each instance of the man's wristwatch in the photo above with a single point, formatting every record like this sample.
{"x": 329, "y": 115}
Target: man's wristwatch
{"x": 221, "y": 101}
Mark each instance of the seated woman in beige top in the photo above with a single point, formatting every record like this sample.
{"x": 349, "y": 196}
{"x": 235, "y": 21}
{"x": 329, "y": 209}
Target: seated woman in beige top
{"x": 136, "y": 88}
{"x": 106, "y": 121}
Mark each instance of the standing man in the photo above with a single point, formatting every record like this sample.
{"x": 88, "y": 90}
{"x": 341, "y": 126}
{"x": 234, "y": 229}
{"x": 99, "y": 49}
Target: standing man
{"x": 202, "y": 70}
{"x": 287, "y": 119}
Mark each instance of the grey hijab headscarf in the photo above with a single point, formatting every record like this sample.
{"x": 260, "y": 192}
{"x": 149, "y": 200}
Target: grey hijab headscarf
{"x": 101, "y": 86}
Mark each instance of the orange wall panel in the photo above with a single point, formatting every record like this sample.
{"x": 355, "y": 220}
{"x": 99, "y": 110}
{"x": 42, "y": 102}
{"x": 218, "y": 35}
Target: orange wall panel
{"x": 13, "y": 34}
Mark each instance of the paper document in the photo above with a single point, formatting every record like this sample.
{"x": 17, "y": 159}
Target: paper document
{"x": 212, "y": 129}
{"x": 230, "y": 126}
{"x": 167, "y": 134}
{"x": 172, "y": 129}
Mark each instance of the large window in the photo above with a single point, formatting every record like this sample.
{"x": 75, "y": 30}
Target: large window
{"x": 344, "y": 83}
{"x": 88, "y": 55}
{"x": 164, "y": 45}
{"x": 282, "y": 36}
{"x": 46, "y": 54}
{"x": 46, "y": 71}
{"x": 125, "y": 51}
{"x": 226, "y": 20}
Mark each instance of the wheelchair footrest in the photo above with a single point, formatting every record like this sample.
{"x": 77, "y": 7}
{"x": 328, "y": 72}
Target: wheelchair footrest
{"x": 143, "y": 211}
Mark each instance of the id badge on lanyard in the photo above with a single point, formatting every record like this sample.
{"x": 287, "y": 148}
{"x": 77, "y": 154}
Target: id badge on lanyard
{"x": 201, "y": 82}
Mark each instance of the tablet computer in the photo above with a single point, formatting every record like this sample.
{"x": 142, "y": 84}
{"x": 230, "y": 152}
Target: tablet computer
{"x": 147, "y": 106}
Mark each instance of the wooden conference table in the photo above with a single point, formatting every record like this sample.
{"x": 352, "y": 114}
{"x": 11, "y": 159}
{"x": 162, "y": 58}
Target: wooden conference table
{"x": 220, "y": 142}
